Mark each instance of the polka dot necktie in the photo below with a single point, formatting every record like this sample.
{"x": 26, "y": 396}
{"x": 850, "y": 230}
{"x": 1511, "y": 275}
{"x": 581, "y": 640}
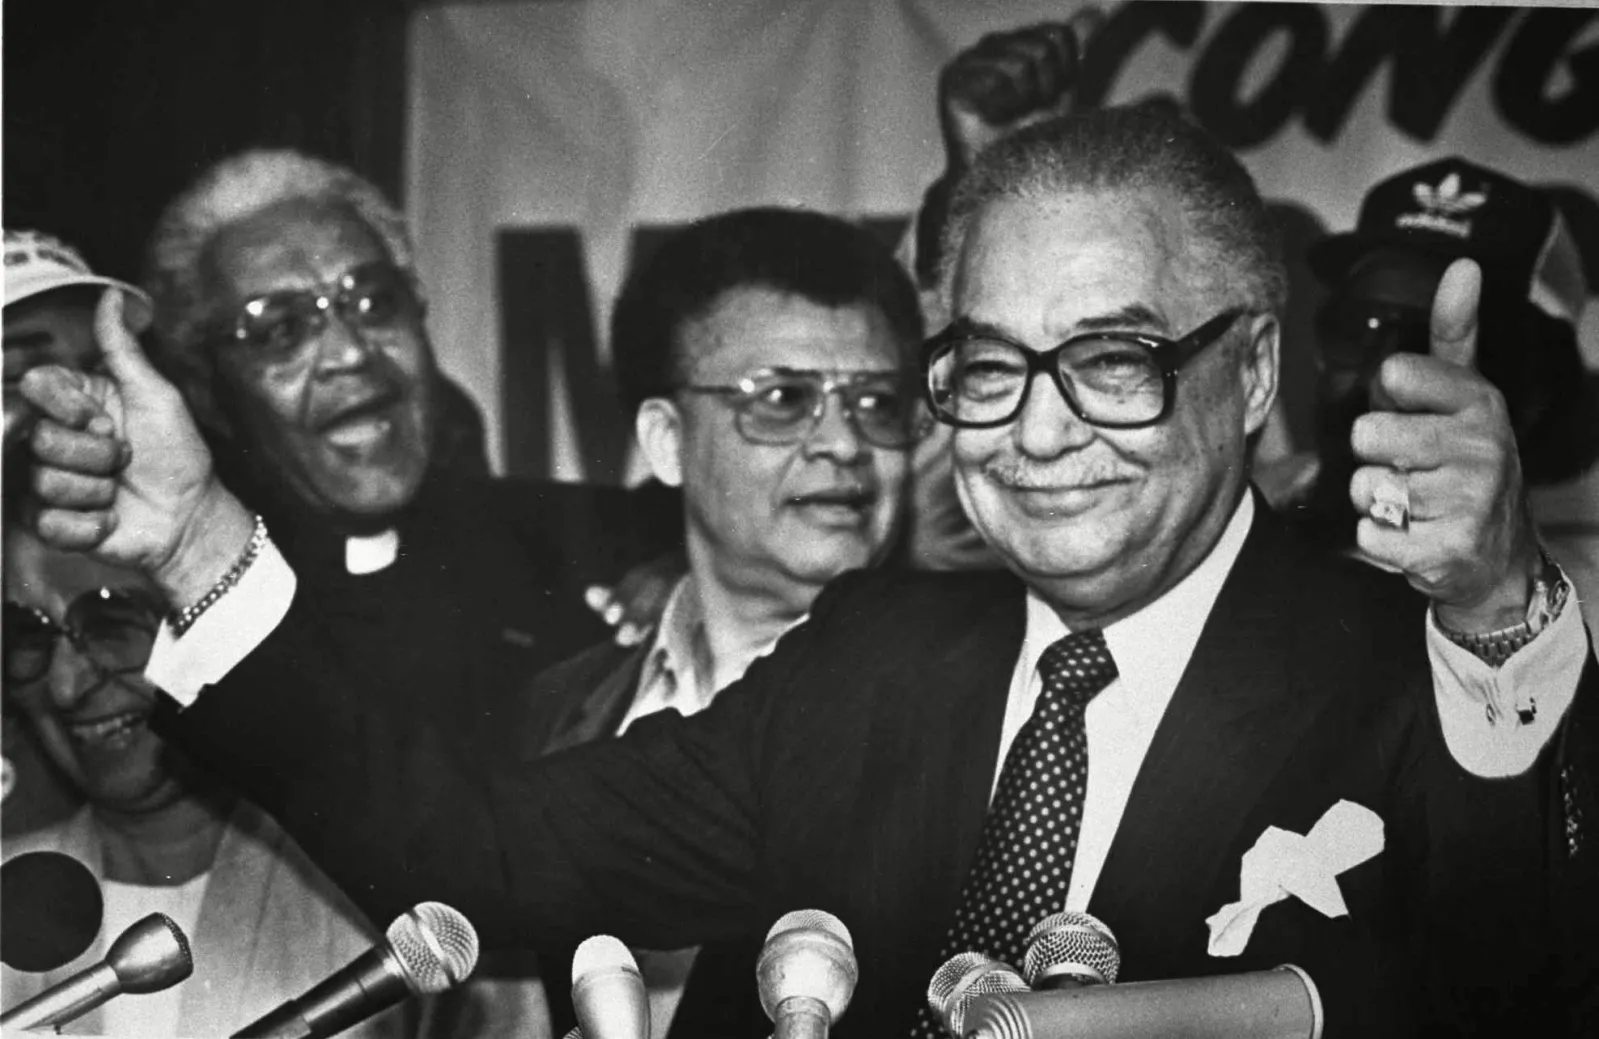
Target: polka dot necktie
{"x": 1029, "y": 840}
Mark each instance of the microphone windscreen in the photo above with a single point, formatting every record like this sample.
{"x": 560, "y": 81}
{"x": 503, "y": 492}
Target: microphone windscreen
{"x": 436, "y": 946}
{"x": 608, "y": 993}
{"x": 808, "y": 954}
{"x": 601, "y": 952}
{"x": 963, "y": 978}
{"x": 151, "y": 955}
{"x": 53, "y": 910}
{"x": 819, "y": 919}
{"x": 1071, "y": 946}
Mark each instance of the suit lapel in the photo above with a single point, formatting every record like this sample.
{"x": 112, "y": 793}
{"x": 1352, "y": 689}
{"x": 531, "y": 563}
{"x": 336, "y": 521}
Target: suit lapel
{"x": 957, "y": 693}
{"x": 1233, "y": 720}
{"x": 597, "y": 714}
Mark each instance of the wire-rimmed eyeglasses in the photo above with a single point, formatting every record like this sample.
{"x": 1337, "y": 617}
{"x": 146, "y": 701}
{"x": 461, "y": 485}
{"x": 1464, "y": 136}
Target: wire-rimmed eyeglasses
{"x": 112, "y": 628}
{"x": 785, "y": 405}
{"x": 370, "y": 298}
{"x": 978, "y": 379}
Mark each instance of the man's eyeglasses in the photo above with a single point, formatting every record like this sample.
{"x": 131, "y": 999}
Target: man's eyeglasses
{"x": 785, "y": 405}
{"x": 372, "y": 298}
{"x": 114, "y": 629}
{"x": 1119, "y": 380}
{"x": 1359, "y": 333}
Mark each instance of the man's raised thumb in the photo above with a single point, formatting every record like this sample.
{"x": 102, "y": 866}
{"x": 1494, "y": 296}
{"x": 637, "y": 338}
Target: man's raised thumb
{"x": 1454, "y": 314}
{"x": 123, "y": 356}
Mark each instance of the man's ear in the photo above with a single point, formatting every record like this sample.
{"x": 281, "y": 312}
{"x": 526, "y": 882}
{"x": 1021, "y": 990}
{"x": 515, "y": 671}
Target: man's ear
{"x": 1258, "y": 368}
{"x": 659, "y": 426}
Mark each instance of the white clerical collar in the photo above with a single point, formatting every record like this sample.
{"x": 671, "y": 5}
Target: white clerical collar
{"x": 1152, "y": 647}
{"x": 371, "y": 553}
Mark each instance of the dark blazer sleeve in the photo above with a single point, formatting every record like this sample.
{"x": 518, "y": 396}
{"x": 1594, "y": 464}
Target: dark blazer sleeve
{"x": 1574, "y": 852}
{"x": 652, "y": 837}
{"x": 1501, "y": 881}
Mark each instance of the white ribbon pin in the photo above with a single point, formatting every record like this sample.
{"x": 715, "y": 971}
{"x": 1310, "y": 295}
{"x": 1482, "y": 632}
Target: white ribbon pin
{"x": 1283, "y": 863}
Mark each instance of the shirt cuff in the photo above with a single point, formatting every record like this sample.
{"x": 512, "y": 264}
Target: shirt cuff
{"x": 224, "y": 634}
{"x": 1496, "y": 721}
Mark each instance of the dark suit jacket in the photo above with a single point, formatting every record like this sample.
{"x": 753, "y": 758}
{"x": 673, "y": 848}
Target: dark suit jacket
{"x": 581, "y": 699}
{"x": 850, "y": 771}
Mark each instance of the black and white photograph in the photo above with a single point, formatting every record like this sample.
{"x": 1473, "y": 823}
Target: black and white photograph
{"x": 886, "y": 519}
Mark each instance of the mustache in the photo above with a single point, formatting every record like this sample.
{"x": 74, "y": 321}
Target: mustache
{"x": 1025, "y": 475}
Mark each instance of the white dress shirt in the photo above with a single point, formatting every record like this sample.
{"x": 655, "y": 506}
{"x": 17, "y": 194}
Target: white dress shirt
{"x": 1151, "y": 649}
{"x": 680, "y": 673}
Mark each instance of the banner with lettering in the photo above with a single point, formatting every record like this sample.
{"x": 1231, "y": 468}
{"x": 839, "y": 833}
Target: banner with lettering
{"x": 550, "y": 141}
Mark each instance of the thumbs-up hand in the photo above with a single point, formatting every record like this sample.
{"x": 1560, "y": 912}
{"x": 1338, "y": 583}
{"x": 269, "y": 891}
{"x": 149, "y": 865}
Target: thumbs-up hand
{"x": 121, "y": 470}
{"x": 1443, "y": 440}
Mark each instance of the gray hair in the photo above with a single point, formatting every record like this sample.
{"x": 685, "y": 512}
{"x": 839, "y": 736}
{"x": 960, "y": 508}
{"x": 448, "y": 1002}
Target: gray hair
{"x": 1146, "y": 146}
{"x": 235, "y": 189}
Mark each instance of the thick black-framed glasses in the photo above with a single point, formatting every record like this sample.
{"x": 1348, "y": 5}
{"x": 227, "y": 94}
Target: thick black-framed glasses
{"x": 371, "y": 299}
{"x": 1118, "y": 380}
{"x": 113, "y": 629}
{"x": 780, "y": 406}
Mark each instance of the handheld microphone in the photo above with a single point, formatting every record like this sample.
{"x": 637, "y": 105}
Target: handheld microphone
{"x": 1267, "y": 1004}
{"x": 428, "y": 949}
{"x": 608, "y": 991}
{"x": 53, "y": 910}
{"x": 806, "y": 974}
{"x": 149, "y": 956}
{"x": 1069, "y": 949}
{"x": 963, "y": 978}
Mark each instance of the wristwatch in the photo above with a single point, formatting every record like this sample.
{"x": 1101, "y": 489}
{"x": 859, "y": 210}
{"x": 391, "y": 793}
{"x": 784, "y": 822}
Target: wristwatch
{"x": 1549, "y": 594}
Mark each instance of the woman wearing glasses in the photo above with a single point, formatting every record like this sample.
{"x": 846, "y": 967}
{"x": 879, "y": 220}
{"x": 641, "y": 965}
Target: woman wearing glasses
{"x": 263, "y": 923}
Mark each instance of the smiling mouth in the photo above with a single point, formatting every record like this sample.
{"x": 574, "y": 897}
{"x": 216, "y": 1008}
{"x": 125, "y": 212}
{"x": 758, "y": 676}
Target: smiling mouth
{"x": 1064, "y": 488}
{"x": 1060, "y": 500}
{"x": 362, "y": 426}
{"x": 359, "y": 431}
{"x": 111, "y": 733}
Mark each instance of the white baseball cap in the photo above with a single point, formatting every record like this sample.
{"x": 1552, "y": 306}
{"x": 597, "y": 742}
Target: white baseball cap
{"x": 36, "y": 262}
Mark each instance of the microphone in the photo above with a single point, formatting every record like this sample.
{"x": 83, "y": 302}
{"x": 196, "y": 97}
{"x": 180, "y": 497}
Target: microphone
{"x": 608, "y": 992}
{"x": 428, "y": 949}
{"x": 53, "y": 910}
{"x": 1069, "y": 949}
{"x": 1268, "y": 1004}
{"x": 963, "y": 978}
{"x": 149, "y": 956}
{"x": 806, "y": 973}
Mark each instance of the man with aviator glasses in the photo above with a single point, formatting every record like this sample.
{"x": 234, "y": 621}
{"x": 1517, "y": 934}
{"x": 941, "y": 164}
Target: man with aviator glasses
{"x": 290, "y": 317}
{"x": 766, "y": 357}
